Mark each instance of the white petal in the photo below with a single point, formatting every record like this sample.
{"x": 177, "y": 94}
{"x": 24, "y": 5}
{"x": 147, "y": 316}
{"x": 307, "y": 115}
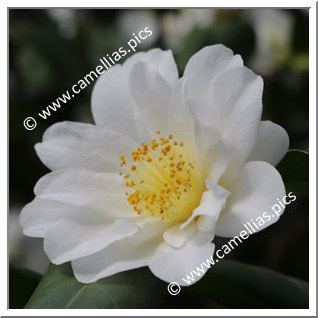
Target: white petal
{"x": 152, "y": 95}
{"x": 78, "y": 145}
{"x": 43, "y": 215}
{"x": 70, "y": 239}
{"x": 225, "y": 98}
{"x": 272, "y": 144}
{"x": 123, "y": 255}
{"x": 207, "y": 140}
{"x": 103, "y": 192}
{"x": 236, "y": 98}
{"x": 112, "y": 102}
{"x": 214, "y": 155}
{"x": 212, "y": 202}
{"x": 172, "y": 264}
{"x": 220, "y": 157}
{"x": 180, "y": 121}
{"x": 177, "y": 237}
{"x": 38, "y": 216}
{"x": 254, "y": 192}
{"x": 162, "y": 60}
{"x": 231, "y": 94}
{"x": 112, "y": 105}
{"x": 200, "y": 72}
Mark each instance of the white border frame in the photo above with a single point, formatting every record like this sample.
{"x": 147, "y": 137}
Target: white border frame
{"x": 312, "y": 162}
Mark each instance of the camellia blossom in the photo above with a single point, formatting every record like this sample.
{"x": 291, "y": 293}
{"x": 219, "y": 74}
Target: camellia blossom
{"x": 170, "y": 163}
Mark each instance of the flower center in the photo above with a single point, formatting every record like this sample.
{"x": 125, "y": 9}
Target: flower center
{"x": 163, "y": 179}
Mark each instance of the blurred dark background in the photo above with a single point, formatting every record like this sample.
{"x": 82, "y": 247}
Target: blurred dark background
{"x": 50, "y": 50}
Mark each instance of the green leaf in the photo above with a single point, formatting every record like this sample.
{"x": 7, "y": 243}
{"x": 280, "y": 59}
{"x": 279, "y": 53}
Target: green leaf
{"x": 227, "y": 285}
{"x": 131, "y": 289}
{"x": 294, "y": 169}
{"x": 232, "y": 284}
{"x": 22, "y": 283}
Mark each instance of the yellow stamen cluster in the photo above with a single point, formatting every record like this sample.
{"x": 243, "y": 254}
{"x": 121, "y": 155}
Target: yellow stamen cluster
{"x": 162, "y": 179}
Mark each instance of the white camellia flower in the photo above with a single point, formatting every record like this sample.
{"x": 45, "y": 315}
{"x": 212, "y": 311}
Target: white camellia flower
{"x": 170, "y": 163}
